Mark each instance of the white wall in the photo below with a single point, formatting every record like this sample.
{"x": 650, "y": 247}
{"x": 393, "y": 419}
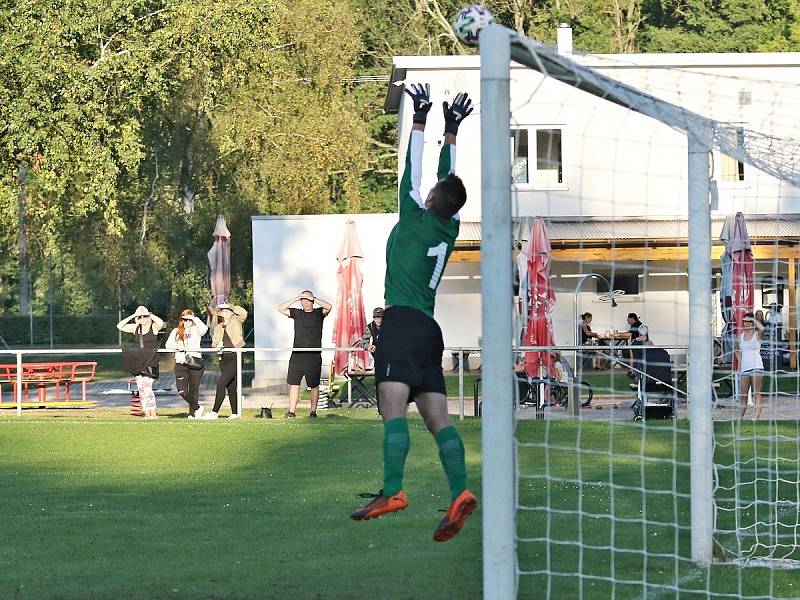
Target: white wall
{"x": 293, "y": 253}
{"x": 617, "y": 162}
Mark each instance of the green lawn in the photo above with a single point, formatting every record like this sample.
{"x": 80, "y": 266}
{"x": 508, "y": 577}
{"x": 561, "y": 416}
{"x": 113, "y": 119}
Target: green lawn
{"x": 451, "y": 381}
{"x": 627, "y": 470}
{"x": 97, "y": 505}
{"x": 109, "y": 507}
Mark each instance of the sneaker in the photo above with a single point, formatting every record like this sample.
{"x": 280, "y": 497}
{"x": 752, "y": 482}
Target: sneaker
{"x": 210, "y": 416}
{"x": 198, "y": 414}
{"x": 192, "y": 417}
{"x": 234, "y": 416}
{"x": 380, "y": 505}
{"x": 313, "y": 415}
{"x": 455, "y": 516}
{"x": 289, "y": 415}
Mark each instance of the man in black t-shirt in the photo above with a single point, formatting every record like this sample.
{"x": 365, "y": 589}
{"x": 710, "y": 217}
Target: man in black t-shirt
{"x": 307, "y": 334}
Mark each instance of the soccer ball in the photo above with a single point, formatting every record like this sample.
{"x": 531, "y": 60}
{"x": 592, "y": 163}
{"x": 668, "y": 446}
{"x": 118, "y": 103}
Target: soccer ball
{"x": 470, "y": 21}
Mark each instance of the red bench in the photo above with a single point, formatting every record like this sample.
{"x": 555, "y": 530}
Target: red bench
{"x": 52, "y": 373}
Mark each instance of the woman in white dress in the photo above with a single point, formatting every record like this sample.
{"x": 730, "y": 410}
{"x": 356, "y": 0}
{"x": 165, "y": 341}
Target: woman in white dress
{"x": 751, "y": 367}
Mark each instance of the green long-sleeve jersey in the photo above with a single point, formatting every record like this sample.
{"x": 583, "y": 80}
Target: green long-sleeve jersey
{"x": 421, "y": 242}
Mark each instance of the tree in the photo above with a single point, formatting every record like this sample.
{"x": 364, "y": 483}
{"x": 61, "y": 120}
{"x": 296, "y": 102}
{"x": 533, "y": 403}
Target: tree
{"x": 136, "y": 122}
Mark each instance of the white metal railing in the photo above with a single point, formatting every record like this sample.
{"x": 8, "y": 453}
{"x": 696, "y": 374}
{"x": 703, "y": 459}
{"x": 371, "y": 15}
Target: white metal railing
{"x": 455, "y": 351}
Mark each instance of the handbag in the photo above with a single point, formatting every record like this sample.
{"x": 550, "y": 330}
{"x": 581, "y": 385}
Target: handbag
{"x": 194, "y": 362}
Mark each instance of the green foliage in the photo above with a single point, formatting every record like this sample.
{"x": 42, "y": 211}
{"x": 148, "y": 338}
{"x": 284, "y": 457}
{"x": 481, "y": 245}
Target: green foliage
{"x": 721, "y": 26}
{"x": 77, "y": 331}
{"x": 126, "y": 127}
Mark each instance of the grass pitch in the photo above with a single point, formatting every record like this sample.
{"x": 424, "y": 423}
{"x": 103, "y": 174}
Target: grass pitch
{"x": 109, "y": 507}
{"x": 97, "y": 505}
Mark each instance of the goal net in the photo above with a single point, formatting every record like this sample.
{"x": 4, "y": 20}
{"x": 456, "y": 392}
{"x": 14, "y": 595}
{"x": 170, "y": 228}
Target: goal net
{"x": 668, "y": 191}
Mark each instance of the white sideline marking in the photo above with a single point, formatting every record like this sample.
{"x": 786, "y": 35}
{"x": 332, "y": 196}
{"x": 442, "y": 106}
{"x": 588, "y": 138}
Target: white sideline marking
{"x": 662, "y": 593}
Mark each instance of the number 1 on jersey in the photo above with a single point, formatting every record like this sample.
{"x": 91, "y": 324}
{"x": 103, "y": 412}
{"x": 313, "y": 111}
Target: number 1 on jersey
{"x": 440, "y": 252}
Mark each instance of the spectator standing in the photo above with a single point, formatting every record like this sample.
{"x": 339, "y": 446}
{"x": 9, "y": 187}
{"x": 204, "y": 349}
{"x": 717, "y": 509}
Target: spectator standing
{"x": 184, "y": 340}
{"x": 751, "y": 366}
{"x": 227, "y": 334}
{"x": 307, "y": 334}
{"x": 141, "y": 361}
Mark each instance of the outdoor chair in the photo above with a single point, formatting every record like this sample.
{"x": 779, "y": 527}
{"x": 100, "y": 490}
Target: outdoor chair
{"x": 80, "y": 372}
{"x": 530, "y": 390}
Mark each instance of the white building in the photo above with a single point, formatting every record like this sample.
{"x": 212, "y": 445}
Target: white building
{"x": 610, "y": 183}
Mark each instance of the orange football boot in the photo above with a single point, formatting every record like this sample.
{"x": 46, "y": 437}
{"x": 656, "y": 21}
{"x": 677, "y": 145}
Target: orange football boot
{"x": 456, "y": 515}
{"x": 380, "y": 505}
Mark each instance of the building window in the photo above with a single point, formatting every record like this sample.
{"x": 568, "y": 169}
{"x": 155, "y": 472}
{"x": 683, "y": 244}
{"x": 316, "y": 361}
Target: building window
{"x": 519, "y": 155}
{"x": 627, "y": 283}
{"x": 549, "y": 168}
{"x": 730, "y": 168}
{"x": 537, "y": 156}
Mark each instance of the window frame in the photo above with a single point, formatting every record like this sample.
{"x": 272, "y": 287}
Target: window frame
{"x": 532, "y": 130}
{"x": 716, "y": 164}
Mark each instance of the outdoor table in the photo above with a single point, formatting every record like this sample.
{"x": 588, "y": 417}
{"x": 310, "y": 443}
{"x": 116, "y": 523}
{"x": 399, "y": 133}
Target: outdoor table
{"x": 614, "y": 339}
{"x": 612, "y": 342}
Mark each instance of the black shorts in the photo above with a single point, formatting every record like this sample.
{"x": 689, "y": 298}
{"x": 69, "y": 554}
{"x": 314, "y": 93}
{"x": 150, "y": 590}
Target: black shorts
{"x": 410, "y": 350}
{"x": 304, "y": 364}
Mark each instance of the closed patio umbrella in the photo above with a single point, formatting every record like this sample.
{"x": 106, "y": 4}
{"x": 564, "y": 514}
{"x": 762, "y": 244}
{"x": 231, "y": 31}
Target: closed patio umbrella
{"x": 742, "y": 271}
{"x": 350, "y": 319}
{"x": 726, "y": 291}
{"x": 539, "y": 331}
{"x": 219, "y": 258}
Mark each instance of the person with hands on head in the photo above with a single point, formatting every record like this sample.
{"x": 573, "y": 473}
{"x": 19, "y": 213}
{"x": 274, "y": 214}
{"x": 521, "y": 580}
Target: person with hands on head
{"x": 184, "y": 340}
{"x": 142, "y": 360}
{"x": 307, "y": 334}
{"x": 751, "y": 366}
{"x": 227, "y": 334}
{"x": 408, "y": 358}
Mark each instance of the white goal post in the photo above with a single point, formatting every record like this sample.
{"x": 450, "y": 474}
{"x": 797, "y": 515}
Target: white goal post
{"x": 499, "y": 493}
{"x": 770, "y": 154}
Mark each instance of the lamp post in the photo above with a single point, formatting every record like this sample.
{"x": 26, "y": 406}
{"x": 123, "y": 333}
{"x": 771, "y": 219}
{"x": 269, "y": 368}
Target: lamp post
{"x": 574, "y": 403}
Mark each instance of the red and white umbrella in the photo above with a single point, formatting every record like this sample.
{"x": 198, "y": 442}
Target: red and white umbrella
{"x": 741, "y": 272}
{"x": 726, "y": 290}
{"x": 541, "y": 299}
{"x": 219, "y": 258}
{"x": 350, "y": 319}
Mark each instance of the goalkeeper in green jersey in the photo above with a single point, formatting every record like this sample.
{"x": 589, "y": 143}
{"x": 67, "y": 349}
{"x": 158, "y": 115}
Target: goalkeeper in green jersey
{"x": 408, "y": 357}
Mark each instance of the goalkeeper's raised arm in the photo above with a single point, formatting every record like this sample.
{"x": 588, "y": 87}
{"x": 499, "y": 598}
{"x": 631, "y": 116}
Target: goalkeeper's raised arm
{"x": 410, "y": 197}
{"x": 454, "y": 113}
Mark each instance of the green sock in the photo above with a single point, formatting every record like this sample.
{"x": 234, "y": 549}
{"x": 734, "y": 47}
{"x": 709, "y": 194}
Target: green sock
{"x": 451, "y": 453}
{"x": 396, "y": 443}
